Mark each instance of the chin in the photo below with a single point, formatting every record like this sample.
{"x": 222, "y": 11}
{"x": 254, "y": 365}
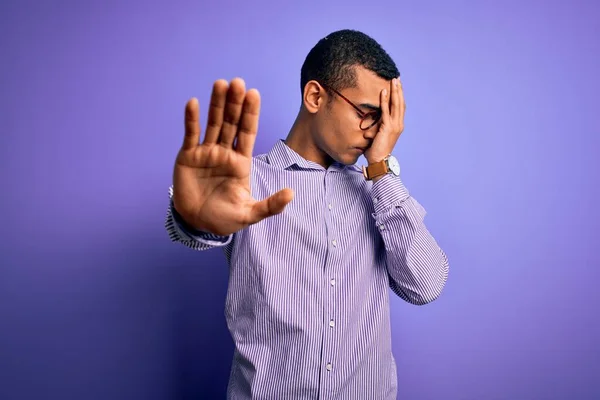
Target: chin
{"x": 348, "y": 159}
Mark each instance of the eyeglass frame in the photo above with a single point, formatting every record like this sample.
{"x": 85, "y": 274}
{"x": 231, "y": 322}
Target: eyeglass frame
{"x": 364, "y": 115}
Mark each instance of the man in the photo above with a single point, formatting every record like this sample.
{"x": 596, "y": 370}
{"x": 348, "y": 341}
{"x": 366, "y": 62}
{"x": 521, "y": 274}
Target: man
{"x": 312, "y": 259}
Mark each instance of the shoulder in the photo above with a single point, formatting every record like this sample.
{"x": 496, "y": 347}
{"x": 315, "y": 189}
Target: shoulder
{"x": 260, "y": 158}
{"x": 262, "y": 169}
{"x": 260, "y": 162}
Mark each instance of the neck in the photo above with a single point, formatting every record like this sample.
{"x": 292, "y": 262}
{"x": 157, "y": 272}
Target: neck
{"x": 300, "y": 139}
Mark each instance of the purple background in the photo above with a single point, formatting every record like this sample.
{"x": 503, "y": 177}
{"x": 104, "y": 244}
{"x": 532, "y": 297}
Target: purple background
{"x": 500, "y": 146}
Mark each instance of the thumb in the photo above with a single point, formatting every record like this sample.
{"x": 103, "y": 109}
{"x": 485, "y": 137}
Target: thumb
{"x": 270, "y": 206}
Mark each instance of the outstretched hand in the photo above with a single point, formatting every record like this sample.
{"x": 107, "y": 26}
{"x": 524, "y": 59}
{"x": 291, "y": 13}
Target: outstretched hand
{"x": 211, "y": 180}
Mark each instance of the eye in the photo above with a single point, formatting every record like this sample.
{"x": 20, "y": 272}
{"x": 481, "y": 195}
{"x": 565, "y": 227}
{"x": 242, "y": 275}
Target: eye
{"x": 372, "y": 116}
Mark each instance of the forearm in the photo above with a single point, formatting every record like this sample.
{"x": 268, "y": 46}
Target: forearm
{"x": 417, "y": 266}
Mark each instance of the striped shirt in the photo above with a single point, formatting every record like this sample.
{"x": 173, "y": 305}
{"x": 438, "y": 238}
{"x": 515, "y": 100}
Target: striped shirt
{"x": 308, "y": 298}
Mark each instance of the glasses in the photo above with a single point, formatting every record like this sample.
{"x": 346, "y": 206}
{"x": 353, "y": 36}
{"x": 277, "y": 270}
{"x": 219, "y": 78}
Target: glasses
{"x": 367, "y": 119}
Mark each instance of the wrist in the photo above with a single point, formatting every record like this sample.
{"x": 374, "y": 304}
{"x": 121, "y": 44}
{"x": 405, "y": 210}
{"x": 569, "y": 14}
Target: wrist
{"x": 373, "y": 159}
{"x": 179, "y": 219}
{"x": 375, "y": 170}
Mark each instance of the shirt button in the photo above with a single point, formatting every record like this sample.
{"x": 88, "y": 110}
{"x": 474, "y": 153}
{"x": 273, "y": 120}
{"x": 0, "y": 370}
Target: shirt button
{"x": 329, "y": 367}
{"x": 330, "y": 206}
{"x": 382, "y": 227}
{"x": 332, "y": 282}
{"x": 334, "y": 242}
{"x": 332, "y": 323}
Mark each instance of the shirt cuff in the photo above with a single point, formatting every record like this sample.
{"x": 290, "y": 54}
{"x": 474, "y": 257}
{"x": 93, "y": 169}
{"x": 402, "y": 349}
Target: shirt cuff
{"x": 387, "y": 192}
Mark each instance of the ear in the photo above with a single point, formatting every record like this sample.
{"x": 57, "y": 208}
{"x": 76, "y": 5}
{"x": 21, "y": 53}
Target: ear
{"x": 314, "y": 96}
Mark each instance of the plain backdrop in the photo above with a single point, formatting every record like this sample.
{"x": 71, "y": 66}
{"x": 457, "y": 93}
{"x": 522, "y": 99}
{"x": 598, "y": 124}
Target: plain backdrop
{"x": 500, "y": 147}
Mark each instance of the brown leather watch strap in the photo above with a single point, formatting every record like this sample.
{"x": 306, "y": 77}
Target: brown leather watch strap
{"x": 376, "y": 169}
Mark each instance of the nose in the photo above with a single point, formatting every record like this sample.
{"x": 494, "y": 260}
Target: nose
{"x": 371, "y": 132}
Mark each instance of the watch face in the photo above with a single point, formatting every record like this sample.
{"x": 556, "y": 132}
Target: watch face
{"x": 394, "y": 165}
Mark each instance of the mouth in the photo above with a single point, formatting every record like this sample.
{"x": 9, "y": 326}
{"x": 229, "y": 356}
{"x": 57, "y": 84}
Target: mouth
{"x": 360, "y": 149}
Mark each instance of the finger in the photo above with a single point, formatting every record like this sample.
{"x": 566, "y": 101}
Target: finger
{"x": 270, "y": 206}
{"x": 385, "y": 108}
{"x": 215, "y": 111}
{"x": 395, "y": 101}
{"x": 233, "y": 112}
{"x": 192, "y": 125}
{"x": 248, "y": 126}
{"x": 401, "y": 102}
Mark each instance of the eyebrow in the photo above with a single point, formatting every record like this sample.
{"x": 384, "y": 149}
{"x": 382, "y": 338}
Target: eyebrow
{"x": 370, "y": 106}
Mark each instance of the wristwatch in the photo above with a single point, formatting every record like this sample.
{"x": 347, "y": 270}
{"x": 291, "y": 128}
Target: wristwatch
{"x": 388, "y": 165}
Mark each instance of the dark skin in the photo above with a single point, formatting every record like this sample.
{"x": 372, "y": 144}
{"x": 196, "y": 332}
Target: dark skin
{"x": 326, "y": 132}
{"x": 211, "y": 179}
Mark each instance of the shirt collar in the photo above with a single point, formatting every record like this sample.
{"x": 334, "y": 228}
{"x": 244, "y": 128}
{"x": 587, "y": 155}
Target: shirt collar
{"x": 282, "y": 156}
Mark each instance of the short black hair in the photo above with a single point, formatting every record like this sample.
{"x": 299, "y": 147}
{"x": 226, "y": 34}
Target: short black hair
{"x": 332, "y": 60}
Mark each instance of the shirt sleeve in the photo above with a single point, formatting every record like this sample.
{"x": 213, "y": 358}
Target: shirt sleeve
{"x": 180, "y": 232}
{"x": 417, "y": 266}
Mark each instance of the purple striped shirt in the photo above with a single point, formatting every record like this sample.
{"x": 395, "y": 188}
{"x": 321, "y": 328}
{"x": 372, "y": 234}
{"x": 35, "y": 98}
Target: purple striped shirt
{"x": 308, "y": 300}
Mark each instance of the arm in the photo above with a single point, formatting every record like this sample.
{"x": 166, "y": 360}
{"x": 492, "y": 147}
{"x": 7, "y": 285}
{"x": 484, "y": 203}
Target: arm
{"x": 417, "y": 267}
{"x": 179, "y": 231}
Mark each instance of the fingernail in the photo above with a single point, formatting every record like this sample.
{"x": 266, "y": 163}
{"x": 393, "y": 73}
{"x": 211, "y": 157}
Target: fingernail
{"x": 385, "y": 92}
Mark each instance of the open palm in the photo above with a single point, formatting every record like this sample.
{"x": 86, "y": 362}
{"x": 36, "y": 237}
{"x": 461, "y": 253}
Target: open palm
{"x": 211, "y": 180}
